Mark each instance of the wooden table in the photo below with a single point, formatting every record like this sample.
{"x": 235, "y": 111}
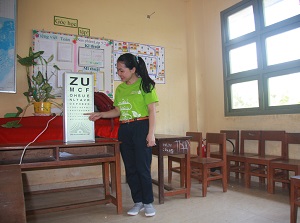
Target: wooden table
{"x": 171, "y": 145}
{"x": 57, "y": 154}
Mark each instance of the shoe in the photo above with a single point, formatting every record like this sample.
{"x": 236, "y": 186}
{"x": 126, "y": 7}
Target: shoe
{"x": 149, "y": 210}
{"x": 136, "y": 209}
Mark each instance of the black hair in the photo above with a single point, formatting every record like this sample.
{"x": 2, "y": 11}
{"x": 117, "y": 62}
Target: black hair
{"x": 130, "y": 61}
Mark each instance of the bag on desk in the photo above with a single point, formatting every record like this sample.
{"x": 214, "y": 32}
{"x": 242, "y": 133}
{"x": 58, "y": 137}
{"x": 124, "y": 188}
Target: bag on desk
{"x": 103, "y": 104}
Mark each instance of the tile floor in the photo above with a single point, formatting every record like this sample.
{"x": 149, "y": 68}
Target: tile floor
{"x": 238, "y": 204}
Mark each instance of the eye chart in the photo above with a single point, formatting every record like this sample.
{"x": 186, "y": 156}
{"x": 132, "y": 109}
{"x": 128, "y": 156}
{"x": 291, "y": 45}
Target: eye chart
{"x": 78, "y": 100}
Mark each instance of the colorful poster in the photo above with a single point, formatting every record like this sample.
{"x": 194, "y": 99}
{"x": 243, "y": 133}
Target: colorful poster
{"x": 154, "y": 57}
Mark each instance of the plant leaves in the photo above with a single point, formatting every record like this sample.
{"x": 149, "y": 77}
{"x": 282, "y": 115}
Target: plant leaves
{"x": 47, "y": 87}
{"x": 29, "y": 60}
{"x": 38, "y": 87}
{"x": 56, "y": 67}
{"x": 11, "y": 115}
{"x": 20, "y": 110}
{"x": 50, "y": 58}
{"x": 26, "y": 61}
{"x": 37, "y": 54}
{"x": 39, "y": 79}
{"x": 12, "y": 124}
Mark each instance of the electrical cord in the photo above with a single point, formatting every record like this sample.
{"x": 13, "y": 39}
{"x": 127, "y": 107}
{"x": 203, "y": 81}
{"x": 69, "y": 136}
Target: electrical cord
{"x": 24, "y": 150}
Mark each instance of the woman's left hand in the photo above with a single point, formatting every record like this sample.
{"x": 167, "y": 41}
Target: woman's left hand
{"x": 150, "y": 140}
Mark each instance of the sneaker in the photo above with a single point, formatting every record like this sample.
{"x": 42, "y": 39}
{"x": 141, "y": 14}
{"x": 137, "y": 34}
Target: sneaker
{"x": 136, "y": 209}
{"x": 149, "y": 210}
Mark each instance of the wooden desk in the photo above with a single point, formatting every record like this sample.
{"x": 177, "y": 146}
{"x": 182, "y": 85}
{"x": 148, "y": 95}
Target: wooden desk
{"x": 56, "y": 154}
{"x": 171, "y": 145}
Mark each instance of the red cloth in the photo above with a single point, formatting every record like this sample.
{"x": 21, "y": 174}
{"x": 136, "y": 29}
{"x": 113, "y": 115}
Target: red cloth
{"x": 32, "y": 126}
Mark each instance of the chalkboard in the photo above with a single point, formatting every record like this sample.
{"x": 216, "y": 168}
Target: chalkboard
{"x": 7, "y": 46}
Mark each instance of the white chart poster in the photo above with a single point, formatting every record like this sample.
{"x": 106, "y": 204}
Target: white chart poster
{"x": 76, "y": 54}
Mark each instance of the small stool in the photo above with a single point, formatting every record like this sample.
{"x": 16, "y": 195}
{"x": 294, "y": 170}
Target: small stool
{"x": 294, "y": 197}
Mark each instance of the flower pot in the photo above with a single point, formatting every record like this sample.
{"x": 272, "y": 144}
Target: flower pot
{"x": 42, "y": 108}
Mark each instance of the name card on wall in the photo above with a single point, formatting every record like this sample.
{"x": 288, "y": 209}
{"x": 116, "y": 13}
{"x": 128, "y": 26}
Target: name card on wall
{"x": 78, "y": 99}
{"x": 67, "y": 22}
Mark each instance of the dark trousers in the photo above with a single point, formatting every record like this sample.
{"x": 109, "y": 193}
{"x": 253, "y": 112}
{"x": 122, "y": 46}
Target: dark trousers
{"x": 137, "y": 158}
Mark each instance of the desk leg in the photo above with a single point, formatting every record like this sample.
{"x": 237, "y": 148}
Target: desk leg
{"x": 161, "y": 182}
{"x": 188, "y": 175}
{"x": 113, "y": 177}
{"x": 105, "y": 172}
{"x": 117, "y": 179}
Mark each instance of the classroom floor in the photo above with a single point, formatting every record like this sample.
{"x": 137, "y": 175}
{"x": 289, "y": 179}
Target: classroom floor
{"x": 238, "y": 204}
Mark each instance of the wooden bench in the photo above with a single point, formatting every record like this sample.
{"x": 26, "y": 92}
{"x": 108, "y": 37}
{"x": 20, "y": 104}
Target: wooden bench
{"x": 12, "y": 204}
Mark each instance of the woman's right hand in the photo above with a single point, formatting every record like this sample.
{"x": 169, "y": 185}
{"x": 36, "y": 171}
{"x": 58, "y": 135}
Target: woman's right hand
{"x": 93, "y": 116}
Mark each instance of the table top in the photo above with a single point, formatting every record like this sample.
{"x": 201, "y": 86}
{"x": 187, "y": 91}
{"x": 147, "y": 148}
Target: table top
{"x": 167, "y": 136}
{"x": 58, "y": 143}
{"x": 32, "y": 126}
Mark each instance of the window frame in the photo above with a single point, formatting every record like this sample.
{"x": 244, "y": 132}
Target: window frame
{"x": 263, "y": 72}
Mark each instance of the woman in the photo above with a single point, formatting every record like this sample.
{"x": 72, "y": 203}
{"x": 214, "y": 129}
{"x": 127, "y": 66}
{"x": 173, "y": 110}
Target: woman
{"x": 135, "y": 103}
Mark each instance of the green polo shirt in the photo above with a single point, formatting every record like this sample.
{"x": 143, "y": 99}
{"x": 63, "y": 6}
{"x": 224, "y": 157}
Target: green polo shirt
{"x": 133, "y": 101}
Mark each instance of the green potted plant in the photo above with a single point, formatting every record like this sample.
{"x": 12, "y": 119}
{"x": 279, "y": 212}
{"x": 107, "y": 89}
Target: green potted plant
{"x": 39, "y": 88}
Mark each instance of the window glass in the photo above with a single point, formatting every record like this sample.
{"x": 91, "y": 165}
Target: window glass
{"x": 244, "y": 95}
{"x": 279, "y": 10}
{"x": 283, "y": 47}
{"x": 241, "y": 23}
{"x": 284, "y": 90}
{"x": 243, "y": 58}
{"x": 261, "y": 57}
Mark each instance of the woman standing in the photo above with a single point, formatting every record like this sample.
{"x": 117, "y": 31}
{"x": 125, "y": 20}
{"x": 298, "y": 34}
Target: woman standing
{"x": 135, "y": 103}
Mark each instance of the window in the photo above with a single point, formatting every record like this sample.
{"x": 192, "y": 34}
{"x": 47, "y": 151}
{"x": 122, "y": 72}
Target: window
{"x": 261, "y": 57}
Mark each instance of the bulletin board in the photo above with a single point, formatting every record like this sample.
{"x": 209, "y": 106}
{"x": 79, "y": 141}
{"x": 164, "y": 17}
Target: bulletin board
{"x": 74, "y": 53}
{"x": 7, "y": 46}
{"x": 154, "y": 57}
